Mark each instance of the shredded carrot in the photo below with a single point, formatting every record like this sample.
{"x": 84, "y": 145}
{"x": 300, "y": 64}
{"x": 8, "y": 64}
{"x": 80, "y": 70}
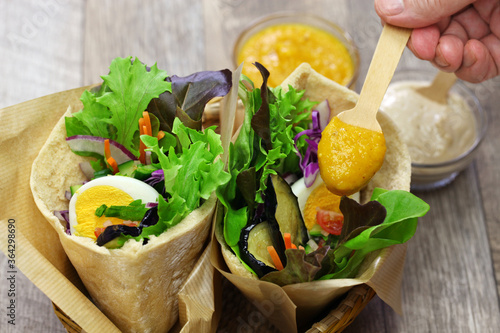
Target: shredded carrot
{"x": 112, "y": 163}
{"x": 145, "y": 129}
{"x": 142, "y": 146}
{"x": 107, "y": 155}
{"x": 160, "y": 135}
{"x": 294, "y": 246}
{"x": 274, "y": 256}
{"x": 107, "y": 150}
{"x": 288, "y": 240}
{"x": 147, "y": 123}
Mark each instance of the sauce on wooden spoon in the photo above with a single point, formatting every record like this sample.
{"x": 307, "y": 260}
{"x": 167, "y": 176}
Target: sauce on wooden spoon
{"x": 352, "y": 146}
{"x": 349, "y": 156}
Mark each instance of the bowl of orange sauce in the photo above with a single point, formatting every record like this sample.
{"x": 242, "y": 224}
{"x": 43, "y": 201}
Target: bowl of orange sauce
{"x": 281, "y": 42}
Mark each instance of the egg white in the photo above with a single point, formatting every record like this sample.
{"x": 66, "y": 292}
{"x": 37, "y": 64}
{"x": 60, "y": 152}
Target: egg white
{"x": 133, "y": 187}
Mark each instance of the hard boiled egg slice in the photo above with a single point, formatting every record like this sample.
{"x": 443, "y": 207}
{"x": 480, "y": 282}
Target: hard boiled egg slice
{"x": 314, "y": 197}
{"x": 110, "y": 191}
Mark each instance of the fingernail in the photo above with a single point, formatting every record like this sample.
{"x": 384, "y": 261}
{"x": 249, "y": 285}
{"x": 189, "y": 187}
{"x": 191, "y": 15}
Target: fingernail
{"x": 439, "y": 59}
{"x": 391, "y": 7}
{"x": 469, "y": 58}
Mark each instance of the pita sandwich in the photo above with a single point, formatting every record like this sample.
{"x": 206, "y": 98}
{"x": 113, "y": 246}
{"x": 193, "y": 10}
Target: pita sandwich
{"x": 135, "y": 284}
{"x": 393, "y": 175}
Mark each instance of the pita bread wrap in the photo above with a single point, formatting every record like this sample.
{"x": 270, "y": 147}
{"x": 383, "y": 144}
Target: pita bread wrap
{"x": 395, "y": 173}
{"x": 293, "y": 305}
{"x": 135, "y": 285}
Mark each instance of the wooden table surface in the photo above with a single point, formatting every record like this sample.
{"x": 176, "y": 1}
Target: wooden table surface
{"x": 452, "y": 271}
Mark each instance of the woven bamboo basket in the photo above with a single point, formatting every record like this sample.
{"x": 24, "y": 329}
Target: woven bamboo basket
{"x": 234, "y": 304}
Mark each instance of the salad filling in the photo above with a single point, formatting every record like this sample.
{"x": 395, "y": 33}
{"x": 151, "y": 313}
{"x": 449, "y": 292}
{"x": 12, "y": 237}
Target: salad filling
{"x": 143, "y": 129}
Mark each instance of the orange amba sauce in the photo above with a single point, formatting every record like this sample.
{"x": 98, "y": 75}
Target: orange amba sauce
{"x": 283, "y": 47}
{"x": 349, "y": 156}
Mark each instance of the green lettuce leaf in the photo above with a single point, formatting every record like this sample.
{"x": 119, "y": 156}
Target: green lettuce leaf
{"x": 113, "y": 110}
{"x": 132, "y": 88}
{"x": 191, "y": 175}
{"x": 93, "y": 117}
{"x": 403, "y": 210}
{"x": 290, "y": 115}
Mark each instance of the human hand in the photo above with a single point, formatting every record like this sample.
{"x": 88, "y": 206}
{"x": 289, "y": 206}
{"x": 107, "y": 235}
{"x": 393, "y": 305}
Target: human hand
{"x": 461, "y": 36}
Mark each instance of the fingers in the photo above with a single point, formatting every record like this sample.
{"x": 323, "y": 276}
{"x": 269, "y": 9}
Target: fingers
{"x": 449, "y": 53}
{"x": 479, "y": 60}
{"x": 475, "y": 61}
{"x": 469, "y": 45}
{"x": 417, "y": 13}
{"x": 423, "y": 42}
{"x": 468, "y": 25}
{"x": 453, "y": 35}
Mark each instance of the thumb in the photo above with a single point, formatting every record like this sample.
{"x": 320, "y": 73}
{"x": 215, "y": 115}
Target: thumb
{"x": 417, "y": 13}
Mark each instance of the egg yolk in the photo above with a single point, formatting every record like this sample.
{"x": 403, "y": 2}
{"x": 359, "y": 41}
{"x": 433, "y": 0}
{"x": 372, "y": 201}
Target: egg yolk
{"x": 320, "y": 198}
{"x": 349, "y": 156}
{"x": 88, "y": 201}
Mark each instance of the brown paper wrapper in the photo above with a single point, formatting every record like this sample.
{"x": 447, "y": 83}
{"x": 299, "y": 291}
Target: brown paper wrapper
{"x": 294, "y": 307}
{"x": 39, "y": 255}
{"x": 197, "y": 299}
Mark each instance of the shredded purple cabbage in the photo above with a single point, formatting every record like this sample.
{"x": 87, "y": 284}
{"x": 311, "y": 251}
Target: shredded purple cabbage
{"x": 157, "y": 176}
{"x": 63, "y": 215}
{"x": 309, "y": 162}
{"x": 151, "y": 204}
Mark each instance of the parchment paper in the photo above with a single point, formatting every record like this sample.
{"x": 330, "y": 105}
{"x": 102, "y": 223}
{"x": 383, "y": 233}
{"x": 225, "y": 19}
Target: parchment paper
{"x": 39, "y": 255}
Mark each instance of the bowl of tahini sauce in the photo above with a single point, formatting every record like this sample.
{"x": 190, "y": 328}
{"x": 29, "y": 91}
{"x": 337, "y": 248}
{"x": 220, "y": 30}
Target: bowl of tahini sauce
{"x": 442, "y": 138}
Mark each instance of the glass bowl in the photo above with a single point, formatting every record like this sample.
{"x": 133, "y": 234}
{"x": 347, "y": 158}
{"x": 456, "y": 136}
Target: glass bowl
{"x": 432, "y": 175}
{"x": 278, "y": 55}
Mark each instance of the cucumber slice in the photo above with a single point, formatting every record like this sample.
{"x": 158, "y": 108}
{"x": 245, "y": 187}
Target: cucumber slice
{"x": 128, "y": 168}
{"x": 74, "y": 188}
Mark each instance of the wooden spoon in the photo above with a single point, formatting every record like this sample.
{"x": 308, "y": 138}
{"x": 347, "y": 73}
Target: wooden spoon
{"x": 438, "y": 90}
{"x": 389, "y": 49}
{"x": 352, "y": 146}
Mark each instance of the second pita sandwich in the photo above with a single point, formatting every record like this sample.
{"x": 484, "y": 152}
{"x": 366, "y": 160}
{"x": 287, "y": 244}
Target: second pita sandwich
{"x": 281, "y": 224}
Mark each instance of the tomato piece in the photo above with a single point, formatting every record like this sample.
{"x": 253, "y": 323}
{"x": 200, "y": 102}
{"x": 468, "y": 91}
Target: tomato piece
{"x": 330, "y": 221}
{"x": 98, "y": 231}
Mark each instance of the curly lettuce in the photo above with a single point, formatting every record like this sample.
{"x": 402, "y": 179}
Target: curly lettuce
{"x": 265, "y": 145}
{"x": 114, "y": 110}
